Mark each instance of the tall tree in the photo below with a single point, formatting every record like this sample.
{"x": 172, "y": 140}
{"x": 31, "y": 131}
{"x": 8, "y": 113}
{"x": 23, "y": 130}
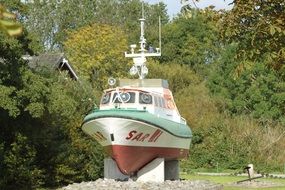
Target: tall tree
{"x": 258, "y": 27}
{"x": 258, "y": 91}
{"x": 97, "y": 52}
{"x": 68, "y": 15}
{"x": 192, "y": 39}
{"x": 40, "y": 115}
{"x": 250, "y": 73}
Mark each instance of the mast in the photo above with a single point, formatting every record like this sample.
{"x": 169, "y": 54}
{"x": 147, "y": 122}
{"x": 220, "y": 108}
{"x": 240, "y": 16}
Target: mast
{"x": 139, "y": 58}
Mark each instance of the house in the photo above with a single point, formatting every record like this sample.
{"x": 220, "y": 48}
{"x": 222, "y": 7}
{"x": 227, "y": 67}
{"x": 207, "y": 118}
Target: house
{"x": 51, "y": 61}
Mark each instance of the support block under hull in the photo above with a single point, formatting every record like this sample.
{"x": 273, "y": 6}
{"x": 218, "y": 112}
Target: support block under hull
{"x": 158, "y": 170}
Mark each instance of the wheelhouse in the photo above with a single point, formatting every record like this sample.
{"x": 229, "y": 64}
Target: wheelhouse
{"x": 139, "y": 99}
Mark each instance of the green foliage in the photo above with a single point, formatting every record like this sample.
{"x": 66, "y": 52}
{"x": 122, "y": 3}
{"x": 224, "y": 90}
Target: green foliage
{"x": 7, "y": 23}
{"x": 21, "y": 158}
{"x": 258, "y": 90}
{"x": 221, "y": 139}
{"x": 50, "y": 118}
{"x": 7, "y": 102}
{"x": 165, "y": 71}
{"x": 83, "y": 160}
{"x": 67, "y": 16}
{"x": 192, "y": 40}
{"x": 259, "y": 28}
{"x": 41, "y": 142}
{"x": 224, "y": 141}
{"x": 249, "y": 77}
{"x": 96, "y": 52}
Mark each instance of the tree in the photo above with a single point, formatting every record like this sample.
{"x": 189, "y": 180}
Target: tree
{"x": 167, "y": 72}
{"x": 229, "y": 141}
{"x": 49, "y": 112}
{"x": 97, "y": 53}
{"x": 258, "y": 27}
{"x": 7, "y": 23}
{"x": 249, "y": 75}
{"x": 257, "y": 91}
{"x": 21, "y": 158}
{"x": 40, "y": 115}
{"x": 192, "y": 40}
{"x": 66, "y": 15}
{"x": 69, "y": 15}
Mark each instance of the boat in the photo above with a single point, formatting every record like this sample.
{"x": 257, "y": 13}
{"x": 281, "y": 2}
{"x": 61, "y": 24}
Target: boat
{"x": 138, "y": 120}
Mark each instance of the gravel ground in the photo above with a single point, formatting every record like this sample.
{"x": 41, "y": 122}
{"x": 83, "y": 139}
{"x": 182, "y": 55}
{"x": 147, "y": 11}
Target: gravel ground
{"x": 109, "y": 184}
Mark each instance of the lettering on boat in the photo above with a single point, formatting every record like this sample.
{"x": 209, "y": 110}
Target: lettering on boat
{"x": 99, "y": 136}
{"x": 144, "y": 137}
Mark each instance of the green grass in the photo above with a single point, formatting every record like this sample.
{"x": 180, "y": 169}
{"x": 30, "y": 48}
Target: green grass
{"x": 226, "y": 180}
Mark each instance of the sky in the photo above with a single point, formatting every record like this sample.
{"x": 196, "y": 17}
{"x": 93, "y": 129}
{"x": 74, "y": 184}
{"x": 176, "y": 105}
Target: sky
{"x": 174, "y": 6}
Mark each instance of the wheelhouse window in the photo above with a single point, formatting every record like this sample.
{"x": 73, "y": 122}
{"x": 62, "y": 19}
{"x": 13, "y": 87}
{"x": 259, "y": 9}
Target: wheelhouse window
{"x": 163, "y": 102}
{"x": 145, "y": 98}
{"x": 124, "y": 97}
{"x": 156, "y": 101}
{"x": 160, "y": 102}
{"x": 106, "y": 98}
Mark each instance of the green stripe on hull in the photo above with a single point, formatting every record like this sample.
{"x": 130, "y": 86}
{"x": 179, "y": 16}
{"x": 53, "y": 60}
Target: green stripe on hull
{"x": 177, "y": 129}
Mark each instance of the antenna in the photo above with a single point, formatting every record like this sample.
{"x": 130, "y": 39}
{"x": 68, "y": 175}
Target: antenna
{"x": 142, "y": 10}
{"x": 139, "y": 67}
{"x": 159, "y": 31}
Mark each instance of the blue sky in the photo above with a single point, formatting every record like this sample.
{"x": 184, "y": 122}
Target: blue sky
{"x": 174, "y": 6}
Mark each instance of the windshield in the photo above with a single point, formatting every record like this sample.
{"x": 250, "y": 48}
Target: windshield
{"x": 125, "y": 97}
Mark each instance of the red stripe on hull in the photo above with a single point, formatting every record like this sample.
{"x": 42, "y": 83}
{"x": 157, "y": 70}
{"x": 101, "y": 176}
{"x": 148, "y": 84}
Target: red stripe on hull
{"x": 132, "y": 158}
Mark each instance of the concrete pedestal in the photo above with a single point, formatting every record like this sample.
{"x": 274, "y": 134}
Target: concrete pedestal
{"x": 171, "y": 170}
{"x": 111, "y": 170}
{"x": 250, "y": 171}
{"x": 157, "y": 170}
{"x": 153, "y": 171}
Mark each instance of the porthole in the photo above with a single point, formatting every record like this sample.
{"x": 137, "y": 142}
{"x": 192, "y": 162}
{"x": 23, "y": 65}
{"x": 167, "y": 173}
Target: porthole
{"x": 125, "y": 96}
{"x": 105, "y": 98}
{"x": 145, "y": 98}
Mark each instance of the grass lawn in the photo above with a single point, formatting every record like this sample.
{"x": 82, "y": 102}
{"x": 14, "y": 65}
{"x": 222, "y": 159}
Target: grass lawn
{"x": 225, "y": 180}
